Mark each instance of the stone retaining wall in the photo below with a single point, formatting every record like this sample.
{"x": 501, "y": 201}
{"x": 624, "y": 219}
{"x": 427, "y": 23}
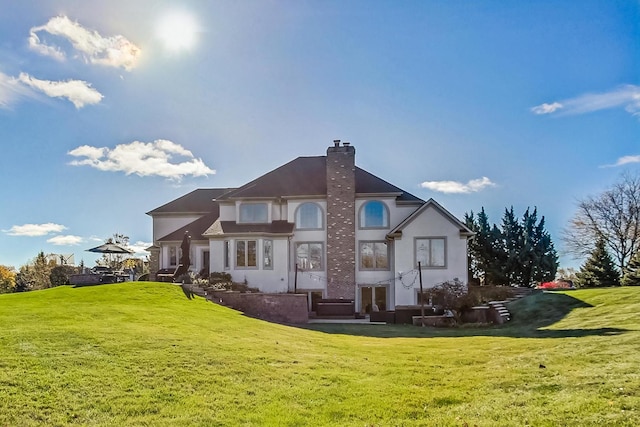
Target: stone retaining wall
{"x": 281, "y": 308}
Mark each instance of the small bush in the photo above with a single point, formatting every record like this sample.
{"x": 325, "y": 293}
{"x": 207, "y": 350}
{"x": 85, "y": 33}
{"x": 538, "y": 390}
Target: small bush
{"x": 452, "y": 296}
{"x": 218, "y": 277}
{"x": 222, "y": 282}
{"x": 60, "y": 275}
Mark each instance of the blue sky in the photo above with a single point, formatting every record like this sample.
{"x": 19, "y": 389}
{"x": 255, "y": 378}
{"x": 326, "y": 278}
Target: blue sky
{"x": 111, "y": 109}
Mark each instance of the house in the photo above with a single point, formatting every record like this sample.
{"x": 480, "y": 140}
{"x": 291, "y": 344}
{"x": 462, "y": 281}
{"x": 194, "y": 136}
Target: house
{"x": 317, "y": 225}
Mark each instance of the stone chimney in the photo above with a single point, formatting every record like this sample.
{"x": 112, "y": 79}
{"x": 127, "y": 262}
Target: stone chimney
{"x": 341, "y": 221}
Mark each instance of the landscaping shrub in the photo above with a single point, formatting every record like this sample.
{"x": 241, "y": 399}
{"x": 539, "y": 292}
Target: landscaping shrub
{"x": 222, "y": 281}
{"x": 60, "y": 275}
{"x": 452, "y": 296}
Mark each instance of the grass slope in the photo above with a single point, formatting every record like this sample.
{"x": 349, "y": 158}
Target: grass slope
{"x": 142, "y": 354}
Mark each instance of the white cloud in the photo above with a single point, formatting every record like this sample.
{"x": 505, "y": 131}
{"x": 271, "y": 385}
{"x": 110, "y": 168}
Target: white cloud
{"x": 624, "y": 160}
{"x": 627, "y": 97}
{"x": 65, "y": 240}
{"x": 471, "y": 186}
{"x": 546, "y": 108}
{"x": 78, "y": 92}
{"x": 143, "y": 159}
{"x": 140, "y": 248}
{"x": 33, "y": 230}
{"x": 114, "y": 51}
{"x": 7, "y": 91}
{"x": 10, "y": 90}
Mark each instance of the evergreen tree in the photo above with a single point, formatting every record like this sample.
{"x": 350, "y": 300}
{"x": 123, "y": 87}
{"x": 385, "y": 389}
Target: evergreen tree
{"x": 36, "y": 275}
{"x": 599, "y": 270}
{"x": 547, "y": 255}
{"x": 484, "y": 249}
{"x": 497, "y": 271}
{"x": 518, "y": 253}
{"x": 512, "y": 236}
{"x": 473, "y": 250}
{"x": 632, "y": 275}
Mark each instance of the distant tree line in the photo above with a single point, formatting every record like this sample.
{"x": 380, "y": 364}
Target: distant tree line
{"x": 43, "y": 272}
{"x": 518, "y": 252}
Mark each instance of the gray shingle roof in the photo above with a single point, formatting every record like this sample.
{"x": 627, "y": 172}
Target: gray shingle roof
{"x": 220, "y": 228}
{"x": 198, "y": 201}
{"x": 196, "y": 228}
{"x": 307, "y": 176}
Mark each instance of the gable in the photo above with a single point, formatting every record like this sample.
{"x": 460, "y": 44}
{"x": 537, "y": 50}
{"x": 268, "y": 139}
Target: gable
{"x": 439, "y": 219}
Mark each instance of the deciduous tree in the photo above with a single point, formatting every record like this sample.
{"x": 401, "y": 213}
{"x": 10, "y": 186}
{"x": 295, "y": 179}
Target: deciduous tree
{"x": 7, "y": 279}
{"x": 613, "y": 217}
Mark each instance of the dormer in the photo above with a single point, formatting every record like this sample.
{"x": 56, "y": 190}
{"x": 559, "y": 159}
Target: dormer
{"x": 253, "y": 212}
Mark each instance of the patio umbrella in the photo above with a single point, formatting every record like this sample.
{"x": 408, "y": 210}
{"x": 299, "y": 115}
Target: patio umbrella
{"x": 185, "y": 261}
{"x": 186, "y": 244}
{"x": 110, "y": 248}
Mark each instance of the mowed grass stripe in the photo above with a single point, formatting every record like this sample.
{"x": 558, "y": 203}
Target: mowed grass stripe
{"x": 142, "y": 354}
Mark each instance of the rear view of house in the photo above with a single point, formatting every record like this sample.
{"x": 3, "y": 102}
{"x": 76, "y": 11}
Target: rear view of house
{"x": 317, "y": 225}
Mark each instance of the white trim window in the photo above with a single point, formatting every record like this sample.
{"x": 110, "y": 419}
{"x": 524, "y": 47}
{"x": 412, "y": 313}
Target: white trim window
{"x": 374, "y": 214}
{"x": 267, "y": 254}
{"x": 374, "y": 255}
{"x": 309, "y": 217}
{"x": 309, "y": 256}
{"x": 254, "y": 213}
{"x": 227, "y": 254}
{"x": 175, "y": 253}
{"x": 246, "y": 253}
{"x": 431, "y": 252}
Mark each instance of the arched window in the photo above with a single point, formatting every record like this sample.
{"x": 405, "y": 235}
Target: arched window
{"x": 309, "y": 216}
{"x": 374, "y": 214}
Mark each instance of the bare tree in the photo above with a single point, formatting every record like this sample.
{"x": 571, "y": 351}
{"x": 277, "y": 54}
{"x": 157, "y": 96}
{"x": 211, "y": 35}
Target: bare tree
{"x": 613, "y": 216}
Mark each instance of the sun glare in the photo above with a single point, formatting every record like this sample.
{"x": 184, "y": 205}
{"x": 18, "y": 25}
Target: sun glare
{"x": 177, "y": 30}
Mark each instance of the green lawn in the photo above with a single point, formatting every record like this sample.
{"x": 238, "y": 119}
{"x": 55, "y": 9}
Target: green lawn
{"x": 142, "y": 354}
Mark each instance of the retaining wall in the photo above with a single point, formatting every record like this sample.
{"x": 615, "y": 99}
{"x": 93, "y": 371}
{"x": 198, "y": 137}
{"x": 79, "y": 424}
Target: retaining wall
{"x": 281, "y": 308}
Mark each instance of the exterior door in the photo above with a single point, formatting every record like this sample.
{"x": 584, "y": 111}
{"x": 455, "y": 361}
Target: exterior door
{"x": 373, "y": 298}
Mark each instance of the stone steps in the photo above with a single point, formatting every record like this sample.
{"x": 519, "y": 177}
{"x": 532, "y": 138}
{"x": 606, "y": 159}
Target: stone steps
{"x": 501, "y": 309}
{"x": 501, "y": 306}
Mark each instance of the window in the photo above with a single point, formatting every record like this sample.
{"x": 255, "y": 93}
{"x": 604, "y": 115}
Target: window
{"x": 253, "y": 213}
{"x": 175, "y": 253}
{"x": 309, "y": 256}
{"x": 374, "y": 214}
{"x": 246, "y": 253}
{"x": 267, "y": 254}
{"x": 227, "y": 254}
{"x": 206, "y": 259}
{"x": 430, "y": 252}
{"x": 374, "y": 256}
{"x": 309, "y": 216}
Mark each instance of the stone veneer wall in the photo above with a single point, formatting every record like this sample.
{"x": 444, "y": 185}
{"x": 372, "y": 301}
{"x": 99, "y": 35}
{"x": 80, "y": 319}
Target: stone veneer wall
{"x": 341, "y": 217}
{"x": 282, "y": 308}
{"x": 154, "y": 262}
